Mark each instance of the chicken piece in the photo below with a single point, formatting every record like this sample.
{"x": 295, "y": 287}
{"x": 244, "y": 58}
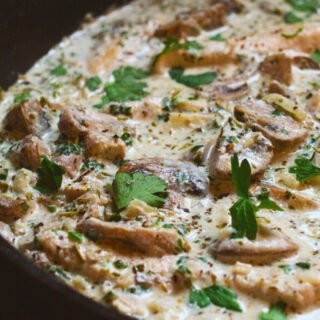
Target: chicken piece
{"x": 247, "y": 144}
{"x": 215, "y": 53}
{"x": 6, "y": 233}
{"x": 70, "y": 163}
{"x": 84, "y": 259}
{"x": 152, "y": 241}
{"x": 12, "y": 209}
{"x": 283, "y": 131}
{"x": 278, "y": 67}
{"x": 190, "y": 23}
{"x": 28, "y": 117}
{"x": 181, "y": 176}
{"x": 77, "y": 122}
{"x": 292, "y": 199}
{"x": 297, "y": 291}
{"x": 305, "y": 62}
{"x": 105, "y": 146}
{"x": 28, "y": 152}
{"x": 270, "y": 245}
{"x": 306, "y": 41}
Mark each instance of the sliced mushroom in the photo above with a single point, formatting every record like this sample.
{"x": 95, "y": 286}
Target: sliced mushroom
{"x": 152, "y": 241}
{"x": 279, "y": 88}
{"x": 247, "y": 144}
{"x": 278, "y": 67}
{"x": 70, "y": 163}
{"x": 12, "y": 209}
{"x": 28, "y": 152}
{"x": 270, "y": 245}
{"x": 190, "y": 23}
{"x": 181, "y": 176}
{"x": 283, "y": 131}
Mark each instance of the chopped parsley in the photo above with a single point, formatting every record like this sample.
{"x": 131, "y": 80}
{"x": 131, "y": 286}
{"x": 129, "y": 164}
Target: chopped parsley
{"x": 217, "y": 295}
{"x": 275, "y": 312}
{"x": 49, "y": 177}
{"x": 304, "y": 169}
{"x": 217, "y": 37}
{"x": 120, "y": 264}
{"x": 127, "y": 139}
{"x": 291, "y": 18}
{"x": 92, "y": 164}
{"x": 22, "y": 97}
{"x": 148, "y": 188}
{"x": 75, "y": 236}
{"x": 59, "y": 70}
{"x": 68, "y": 149}
{"x": 315, "y": 55}
{"x": 4, "y": 173}
{"x": 243, "y": 212}
{"x": 287, "y": 268}
{"x": 127, "y": 85}
{"x": 116, "y": 109}
{"x": 59, "y": 272}
{"x": 193, "y": 80}
{"x": 93, "y": 83}
{"x": 309, "y": 6}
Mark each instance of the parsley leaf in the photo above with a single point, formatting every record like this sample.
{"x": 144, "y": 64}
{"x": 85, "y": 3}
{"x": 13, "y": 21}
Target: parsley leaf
{"x": 241, "y": 175}
{"x": 194, "y": 80}
{"x": 172, "y": 44}
{"x": 275, "y": 312}
{"x": 305, "y": 5}
{"x": 59, "y": 70}
{"x": 50, "y": 177}
{"x": 291, "y": 18}
{"x": 217, "y": 295}
{"x": 93, "y": 83}
{"x": 24, "y": 96}
{"x": 68, "y": 149}
{"x": 217, "y": 37}
{"x": 76, "y": 236}
{"x": 315, "y": 55}
{"x": 148, "y": 188}
{"x": 92, "y": 164}
{"x": 304, "y": 169}
{"x": 127, "y": 86}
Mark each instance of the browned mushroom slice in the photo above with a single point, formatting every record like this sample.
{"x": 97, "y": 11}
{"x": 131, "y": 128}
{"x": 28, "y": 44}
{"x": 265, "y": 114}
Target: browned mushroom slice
{"x": 190, "y": 23}
{"x": 28, "y": 152}
{"x": 292, "y": 199}
{"x": 247, "y": 144}
{"x": 181, "y": 176}
{"x": 61, "y": 250}
{"x": 298, "y": 292}
{"x": 270, "y": 245}
{"x": 230, "y": 5}
{"x": 11, "y": 209}
{"x": 28, "y": 117}
{"x": 305, "y": 62}
{"x": 152, "y": 241}
{"x": 70, "y": 163}
{"x": 278, "y": 67}
{"x": 283, "y": 131}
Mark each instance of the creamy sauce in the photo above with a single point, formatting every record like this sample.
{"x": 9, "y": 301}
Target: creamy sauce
{"x": 129, "y": 33}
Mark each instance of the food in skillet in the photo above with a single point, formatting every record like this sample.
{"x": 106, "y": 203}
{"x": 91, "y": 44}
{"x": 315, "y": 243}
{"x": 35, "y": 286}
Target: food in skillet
{"x": 165, "y": 160}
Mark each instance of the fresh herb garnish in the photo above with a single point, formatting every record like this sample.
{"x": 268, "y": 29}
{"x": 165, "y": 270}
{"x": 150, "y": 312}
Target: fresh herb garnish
{"x": 172, "y": 44}
{"x": 310, "y": 6}
{"x": 292, "y": 35}
{"x": 92, "y": 164}
{"x": 59, "y": 272}
{"x": 127, "y": 139}
{"x": 75, "y": 236}
{"x": 116, "y": 109}
{"x": 59, "y": 70}
{"x": 304, "y": 169}
{"x": 217, "y": 295}
{"x": 243, "y": 212}
{"x": 68, "y": 149}
{"x": 148, "y": 188}
{"x": 217, "y": 37}
{"x": 291, "y": 18}
{"x": 287, "y": 268}
{"x": 315, "y": 55}
{"x": 120, "y": 264}
{"x": 193, "y": 80}
{"x": 93, "y": 83}
{"x": 49, "y": 177}
{"x": 4, "y": 173}
{"x": 275, "y": 312}
{"x": 22, "y": 97}
{"x": 127, "y": 85}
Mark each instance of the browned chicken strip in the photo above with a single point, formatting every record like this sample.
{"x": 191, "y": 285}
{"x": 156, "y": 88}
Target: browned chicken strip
{"x": 12, "y": 209}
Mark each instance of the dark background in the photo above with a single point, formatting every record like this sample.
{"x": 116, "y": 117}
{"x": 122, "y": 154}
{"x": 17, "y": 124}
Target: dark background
{"x": 28, "y": 28}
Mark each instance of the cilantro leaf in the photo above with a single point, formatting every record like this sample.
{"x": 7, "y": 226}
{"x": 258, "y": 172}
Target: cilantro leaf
{"x": 304, "y": 169}
{"x": 217, "y": 295}
{"x": 241, "y": 175}
{"x": 59, "y": 70}
{"x": 50, "y": 177}
{"x": 217, "y": 37}
{"x": 244, "y": 221}
{"x": 315, "y": 55}
{"x": 304, "y": 5}
{"x": 291, "y": 18}
{"x": 275, "y": 312}
{"x": 172, "y": 44}
{"x": 68, "y": 149}
{"x": 24, "y": 96}
{"x": 269, "y": 204}
{"x": 148, "y": 188}
{"x": 93, "y": 83}
{"x": 127, "y": 86}
{"x": 194, "y": 80}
